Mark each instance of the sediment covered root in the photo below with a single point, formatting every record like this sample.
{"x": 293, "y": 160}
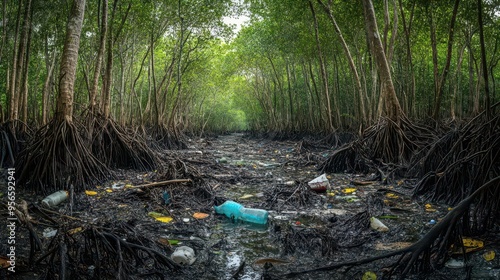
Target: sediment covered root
{"x": 350, "y": 157}
{"x": 432, "y": 249}
{"x": 167, "y": 138}
{"x": 57, "y": 156}
{"x": 93, "y": 253}
{"x": 117, "y": 147}
{"x": 13, "y": 135}
{"x": 461, "y": 161}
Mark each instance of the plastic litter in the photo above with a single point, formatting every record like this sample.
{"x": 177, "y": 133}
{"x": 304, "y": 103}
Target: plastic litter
{"x": 183, "y": 255}
{"x": 453, "y": 263}
{"x": 237, "y": 211}
{"x": 55, "y": 198}
{"x": 319, "y": 184}
{"x": 377, "y": 225}
{"x": 489, "y": 255}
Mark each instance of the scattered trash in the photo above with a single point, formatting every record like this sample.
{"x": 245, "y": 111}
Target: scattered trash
{"x": 49, "y": 232}
{"x": 164, "y": 219}
{"x": 391, "y": 195}
{"x": 290, "y": 183}
{"x": 369, "y": 275}
{"x": 223, "y": 160}
{"x": 469, "y": 245}
{"x": 432, "y": 222}
{"x": 453, "y": 263}
{"x": 377, "y": 225}
{"x": 118, "y": 186}
{"x": 160, "y": 217}
{"x": 166, "y": 197}
{"x": 489, "y": 255}
{"x": 90, "y": 193}
{"x": 246, "y": 196}
{"x": 55, "y": 198}
{"x": 74, "y": 231}
{"x": 183, "y": 255}
{"x": 319, "y": 184}
{"x": 348, "y": 190}
{"x": 186, "y": 220}
{"x": 429, "y": 208}
{"x": 199, "y": 215}
{"x": 237, "y": 211}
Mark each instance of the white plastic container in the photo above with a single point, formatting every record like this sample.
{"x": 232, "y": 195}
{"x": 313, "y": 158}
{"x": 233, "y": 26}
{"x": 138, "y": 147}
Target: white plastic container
{"x": 55, "y": 198}
{"x": 183, "y": 255}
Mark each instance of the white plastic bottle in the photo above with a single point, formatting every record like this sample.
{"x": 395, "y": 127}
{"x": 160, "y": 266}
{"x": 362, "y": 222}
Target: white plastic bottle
{"x": 55, "y": 198}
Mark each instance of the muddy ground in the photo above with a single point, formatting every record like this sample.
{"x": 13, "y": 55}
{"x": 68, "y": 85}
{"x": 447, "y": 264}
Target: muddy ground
{"x": 305, "y": 229}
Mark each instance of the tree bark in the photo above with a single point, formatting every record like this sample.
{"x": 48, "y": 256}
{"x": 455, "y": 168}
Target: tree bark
{"x": 69, "y": 61}
{"x": 352, "y": 65}
{"x": 392, "y": 109}
{"x": 442, "y": 80}
{"x": 324, "y": 75}
{"x": 483, "y": 58}
{"x": 100, "y": 54}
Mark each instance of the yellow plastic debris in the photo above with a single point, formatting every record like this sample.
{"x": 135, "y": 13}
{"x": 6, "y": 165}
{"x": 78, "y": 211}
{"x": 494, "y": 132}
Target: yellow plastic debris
{"x": 164, "y": 219}
{"x": 470, "y": 245}
{"x": 75, "y": 230}
{"x": 369, "y": 275}
{"x": 348, "y": 190}
{"x": 489, "y": 255}
{"x": 199, "y": 215}
{"x": 109, "y": 190}
{"x": 391, "y": 195}
{"x": 90, "y": 193}
{"x": 428, "y": 206}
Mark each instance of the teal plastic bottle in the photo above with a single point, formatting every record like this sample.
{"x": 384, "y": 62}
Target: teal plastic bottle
{"x": 237, "y": 211}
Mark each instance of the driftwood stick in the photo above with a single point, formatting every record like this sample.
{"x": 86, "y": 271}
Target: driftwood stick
{"x": 157, "y": 184}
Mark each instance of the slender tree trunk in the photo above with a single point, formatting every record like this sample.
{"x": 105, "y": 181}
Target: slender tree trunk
{"x": 323, "y": 71}
{"x": 392, "y": 108}
{"x": 483, "y": 58}
{"x": 407, "y": 31}
{"x": 352, "y": 65}
{"x": 69, "y": 61}
{"x": 442, "y": 80}
{"x": 47, "y": 89}
{"x": 100, "y": 54}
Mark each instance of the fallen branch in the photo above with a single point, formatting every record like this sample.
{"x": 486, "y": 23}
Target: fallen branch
{"x": 157, "y": 184}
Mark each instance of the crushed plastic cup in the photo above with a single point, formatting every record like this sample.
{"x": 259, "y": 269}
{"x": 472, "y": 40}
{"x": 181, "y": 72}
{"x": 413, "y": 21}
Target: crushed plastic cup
{"x": 319, "y": 184}
{"x": 183, "y": 255}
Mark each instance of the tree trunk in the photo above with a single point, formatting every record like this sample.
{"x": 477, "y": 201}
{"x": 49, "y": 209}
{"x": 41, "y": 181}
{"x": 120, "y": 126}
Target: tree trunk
{"x": 69, "y": 61}
{"x": 47, "y": 89}
{"x": 323, "y": 72}
{"x": 483, "y": 57}
{"x": 352, "y": 65}
{"x": 442, "y": 80}
{"x": 99, "y": 58}
{"x": 392, "y": 108}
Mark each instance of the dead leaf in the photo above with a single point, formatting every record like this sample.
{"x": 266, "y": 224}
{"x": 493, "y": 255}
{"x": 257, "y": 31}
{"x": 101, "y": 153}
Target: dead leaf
{"x": 90, "y": 193}
{"x": 4, "y": 262}
{"x": 392, "y": 246}
{"x": 199, "y": 215}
